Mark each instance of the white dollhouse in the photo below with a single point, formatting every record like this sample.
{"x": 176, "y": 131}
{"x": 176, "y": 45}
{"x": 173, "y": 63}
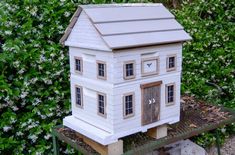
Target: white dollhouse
{"x": 125, "y": 64}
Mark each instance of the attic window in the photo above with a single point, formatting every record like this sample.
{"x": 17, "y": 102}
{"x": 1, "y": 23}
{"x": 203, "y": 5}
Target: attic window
{"x": 101, "y": 70}
{"x": 78, "y": 93}
{"x": 128, "y": 105}
{"x": 78, "y": 65}
{"x": 171, "y": 63}
{"x": 170, "y": 94}
{"x": 129, "y": 70}
{"x": 101, "y": 104}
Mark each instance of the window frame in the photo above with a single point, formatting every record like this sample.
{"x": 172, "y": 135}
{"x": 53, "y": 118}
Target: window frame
{"x": 81, "y": 64}
{"x": 124, "y": 105}
{"x": 124, "y": 69}
{"x": 97, "y": 70}
{"x": 174, "y": 94}
{"x": 81, "y": 94}
{"x": 150, "y": 59}
{"x": 167, "y": 63}
{"x": 105, "y": 104}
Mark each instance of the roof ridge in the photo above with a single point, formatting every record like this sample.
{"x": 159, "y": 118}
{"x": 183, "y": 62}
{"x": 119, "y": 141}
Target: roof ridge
{"x": 90, "y": 6}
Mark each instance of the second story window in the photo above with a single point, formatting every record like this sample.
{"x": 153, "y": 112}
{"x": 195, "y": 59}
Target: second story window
{"x": 101, "y": 70}
{"x": 78, "y": 93}
{"x": 171, "y": 63}
{"x": 128, "y": 105}
{"x": 170, "y": 94}
{"x": 78, "y": 65}
{"x": 101, "y": 104}
{"x": 129, "y": 70}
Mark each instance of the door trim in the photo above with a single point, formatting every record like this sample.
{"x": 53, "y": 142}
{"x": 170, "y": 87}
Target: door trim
{"x": 147, "y": 85}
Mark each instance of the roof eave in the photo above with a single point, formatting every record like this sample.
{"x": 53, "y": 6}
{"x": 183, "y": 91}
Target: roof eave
{"x": 68, "y": 30}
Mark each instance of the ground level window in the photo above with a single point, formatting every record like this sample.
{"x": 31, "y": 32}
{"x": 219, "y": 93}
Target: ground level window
{"x": 128, "y": 105}
{"x": 101, "y": 104}
{"x": 129, "y": 70}
{"x": 171, "y": 63}
{"x": 170, "y": 94}
{"x": 78, "y": 93}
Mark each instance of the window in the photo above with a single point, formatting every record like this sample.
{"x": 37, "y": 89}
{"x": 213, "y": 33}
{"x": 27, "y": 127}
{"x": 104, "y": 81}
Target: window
{"x": 101, "y": 70}
{"x": 101, "y": 104}
{"x": 78, "y": 93}
{"x": 170, "y": 94}
{"x": 128, "y": 105}
{"x": 78, "y": 65}
{"x": 171, "y": 63}
{"x": 129, "y": 70}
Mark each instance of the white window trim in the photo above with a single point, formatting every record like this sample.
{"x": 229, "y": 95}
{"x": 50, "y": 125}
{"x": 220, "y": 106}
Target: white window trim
{"x": 166, "y": 94}
{"x": 167, "y": 63}
{"x": 77, "y": 71}
{"x": 81, "y": 92}
{"x": 97, "y": 70}
{"x": 105, "y": 104}
{"x": 149, "y": 59}
{"x": 124, "y": 105}
{"x": 124, "y": 70}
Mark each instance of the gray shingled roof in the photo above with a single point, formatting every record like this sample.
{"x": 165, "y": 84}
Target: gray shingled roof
{"x": 133, "y": 25}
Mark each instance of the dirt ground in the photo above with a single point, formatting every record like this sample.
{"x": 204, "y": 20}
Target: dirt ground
{"x": 227, "y": 149}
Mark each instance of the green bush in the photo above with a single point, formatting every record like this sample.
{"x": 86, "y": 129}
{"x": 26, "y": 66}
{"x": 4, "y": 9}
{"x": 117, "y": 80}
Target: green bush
{"x": 34, "y": 68}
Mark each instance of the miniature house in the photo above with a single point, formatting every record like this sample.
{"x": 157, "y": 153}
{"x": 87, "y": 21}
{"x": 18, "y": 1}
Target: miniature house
{"x": 125, "y": 64}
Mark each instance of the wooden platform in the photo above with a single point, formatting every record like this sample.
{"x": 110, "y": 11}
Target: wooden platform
{"x": 196, "y": 118}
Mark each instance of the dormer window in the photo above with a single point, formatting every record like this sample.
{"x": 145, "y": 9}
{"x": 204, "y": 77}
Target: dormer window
{"x": 129, "y": 70}
{"x": 101, "y": 70}
{"x": 171, "y": 63}
{"x": 78, "y": 65}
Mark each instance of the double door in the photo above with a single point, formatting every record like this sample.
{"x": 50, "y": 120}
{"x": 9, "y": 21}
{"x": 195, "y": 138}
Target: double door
{"x": 150, "y": 102}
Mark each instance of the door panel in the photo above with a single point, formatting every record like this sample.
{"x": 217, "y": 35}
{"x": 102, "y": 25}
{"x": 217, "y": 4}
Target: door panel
{"x": 150, "y": 104}
{"x": 147, "y": 107}
{"x": 156, "y": 104}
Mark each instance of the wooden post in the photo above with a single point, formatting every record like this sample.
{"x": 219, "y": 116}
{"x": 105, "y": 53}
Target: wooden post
{"x": 115, "y": 148}
{"x": 111, "y": 149}
{"x": 158, "y": 132}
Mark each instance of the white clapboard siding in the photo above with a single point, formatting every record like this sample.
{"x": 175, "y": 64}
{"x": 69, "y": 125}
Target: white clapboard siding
{"x": 89, "y": 58}
{"x": 84, "y": 35}
{"x": 149, "y": 52}
{"x": 89, "y": 111}
{"x": 100, "y": 86}
{"x": 166, "y": 112}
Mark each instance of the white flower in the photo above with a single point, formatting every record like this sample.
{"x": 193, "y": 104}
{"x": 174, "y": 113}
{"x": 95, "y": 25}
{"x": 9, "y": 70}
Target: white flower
{"x": 21, "y": 71}
{"x": 223, "y": 130}
{"x": 15, "y": 108}
{"x": 34, "y": 11}
{"x": 19, "y": 133}
{"x": 66, "y": 14}
{"x": 8, "y": 32}
{"x": 33, "y": 138}
{"x": 6, "y": 128}
{"x": 47, "y": 136}
{"x": 24, "y": 94}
